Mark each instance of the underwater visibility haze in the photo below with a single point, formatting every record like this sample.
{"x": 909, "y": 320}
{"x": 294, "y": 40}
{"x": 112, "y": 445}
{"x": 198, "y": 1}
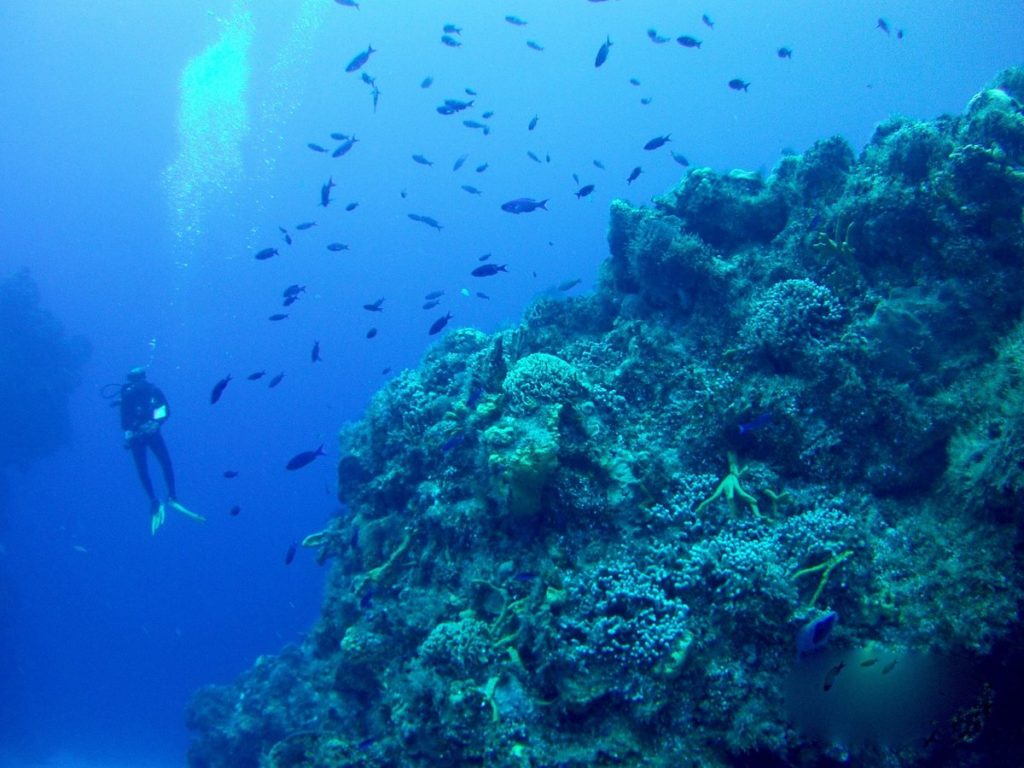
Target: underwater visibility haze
{"x": 631, "y": 382}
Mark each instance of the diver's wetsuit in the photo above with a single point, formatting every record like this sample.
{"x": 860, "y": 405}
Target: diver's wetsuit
{"x": 139, "y": 403}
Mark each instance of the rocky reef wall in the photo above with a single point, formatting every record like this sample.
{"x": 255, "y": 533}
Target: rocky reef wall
{"x": 769, "y": 469}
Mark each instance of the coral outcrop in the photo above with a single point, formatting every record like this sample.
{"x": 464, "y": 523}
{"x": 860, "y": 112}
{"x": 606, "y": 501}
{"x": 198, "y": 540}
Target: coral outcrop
{"x": 541, "y": 564}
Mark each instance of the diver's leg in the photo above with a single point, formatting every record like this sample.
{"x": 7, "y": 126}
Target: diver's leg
{"x": 141, "y": 465}
{"x": 156, "y": 442}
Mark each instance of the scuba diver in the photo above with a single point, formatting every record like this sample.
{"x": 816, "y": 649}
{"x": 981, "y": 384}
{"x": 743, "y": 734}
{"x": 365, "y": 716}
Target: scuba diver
{"x": 144, "y": 409}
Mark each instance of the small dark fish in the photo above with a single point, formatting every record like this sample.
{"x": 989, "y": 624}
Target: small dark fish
{"x": 883, "y": 25}
{"x": 458, "y": 162}
{"x": 451, "y": 29}
{"x": 533, "y": 123}
{"x": 602, "y": 53}
{"x": 645, "y": 100}
{"x": 300, "y": 460}
{"x": 434, "y": 295}
{"x": 368, "y": 742}
{"x": 351, "y": 207}
{"x": 266, "y": 253}
{"x": 487, "y": 115}
{"x": 656, "y": 38}
{"x": 568, "y": 285}
{"x": 474, "y": 397}
{"x": 290, "y": 300}
{"x": 761, "y": 421}
{"x": 525, "y": 576}
{"x": 484, "y": 257}
{"x": 489, "y": 269}
{"x": 218, "y": 389}
{"x": 371, "y": 333}
{"x": 515, "y": 20}
{"x": 305, "y": 225}
{"x": 481, "y": 168}
{"x": 360, "y": 59}
{"x": 430, "y": 222}
{"x": 785, "y": 53}
{"x": 344, "y": 147}
{"x": 889, "y": 667}
{"x": 277, "y": 317}
{"x": 439, "y": 324}
{"x": 431, "y": 304}
{"x": 482, "y": 295}
{"x": 583, "y": 191}
{"x": 348, "y": 3}
{"x": 385, "y": 370}
{"x": 534, "y": 45}
{"x": 680, "y": 158}
{"x": 477, "y": 126}
{"x": 657, "y": 141}
{"x": 634, "y": 174}
{"x": 831, "y": 675}
{"x": 452, "y": 442}
{"x": 523, "y": 205}
{"x": 426, "y": 82}
{"x": 275, "y": 381}
{"x": 899, "y": 34}
{"x": 290, "y": 554}
{"x": 230, "y": 474}
{"x": 471, "y": 189}
{"x": 316, "y": 147}
{"x": 738, "y": 85}
{"x": 688, "y": 42}
{"x": 234, "y": 510}
{"x": 339, "y": 136}
{"x": 287, "y": 236}
{"x": 337, "y": 247}
{"x": 533, "y": 157}
{"x": 457, "y": 104}
{"x": 294, "y": 290}
{"x": 869, "y": 662}
{"x": 451, "y": 42}
{"x": 599, "y": 164}
{"x": 325, "y": 192}
{"x": 375, "y": 306}
{"x": 256, "y": 376}
{"x": 314, "y": 356}
{"x": 367, "y": 78}
{"x": 634, "y": 81}
{"x": 707, "y": 21}
{"x": 422, "y": 160}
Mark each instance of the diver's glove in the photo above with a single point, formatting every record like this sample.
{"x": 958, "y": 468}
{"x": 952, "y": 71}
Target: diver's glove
{"x": 159, "y": 514}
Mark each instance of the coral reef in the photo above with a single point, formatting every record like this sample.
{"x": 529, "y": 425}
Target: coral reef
{"x": 546, "y": 562}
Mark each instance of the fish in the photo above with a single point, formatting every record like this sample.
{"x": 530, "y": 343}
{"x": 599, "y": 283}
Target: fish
{"x": 339, "y": 136}
{"x": 583, "y": 191}
{"x": 477, "y": 126}
{"x": 305, "y": 225}
{"x": 458, "y": 105}
{"x": 348, "y": 3}
{"x": 344, "y": 147}
{"x": 289, "y": 301}
{"x": 484, "y": 257}
{"x": 276, "y": 380}
{"x": 785, "y": 53}
{"x": 439, "y": 324}
{"x": 655, "y": 37}
{"x": 300, "y": 460}
{"x": 869, "y": 662}
{"x": 883, "y": 25}
{"x": 634, "y": 81}
{"x": 422, "y": 160}
{"x": 256, "y": 376}
{"x": 351, "y": 207}
{"x": 534, "y": 45}
{"x": 293, "y": 290}
{"x": 634, "y": 174}
{"x": 234, "y": 510}
{"x": 371, "y": 333}
{"x": 316, "y": 147}
{"x": 474, "y": 397}
{"x": 471, "y": 189}
{"x": 754, "y": 424}
{"x": 451, "y": 42}
{"x": 360, "y": 59}
{"x": 489, "y": 269}
{"x": 337, "y": 247}
{"x": 657, "y": 141}
{"x": 599, "y": 164}
{"x": 367, "y": 78}
{"x": 645, "y": 100}
{"x": 889, "y": 667}
{"x": 430, "y": 222}
{"x": 434, "y": 295}
{"x": 688, "y": 42}
{"x": 523, "y": 205}
{"x": 738, "y": 85}
{"x": 385, "y": 370}
{"x": 487, "y": 115}
{"x": 218, "y": 389}
{"x": 452, "y": 442}
{"x": 533, "y": 157}
{"x": 230, "y": 474}
{"x": 458, "y": 162}
{"x": 515, "y": 20}
{"x": 451, "y": 29}
{"x": 568, "y": 285}
{"x": 375, "y": 306}
{"x": 481, "y": 168}
{"x": 325, "y": 192}
{"x": 707, "y": 21}
{"x": 290, "y": 554}
{"x": 277, "y": 317}
{"x": 426, "y": 82}
{"x": 431, "y": 304}
{"x": 314, "y": 355}
{"x": 266, "y": 253}
{"x": 602, "y": 53}
{"x": 831, "y": 675}
{"x": 287, "y": 236}
{"x": 680, "y": 158}
{"x": 482, "y": 295}
{"x": 533, "y": 123}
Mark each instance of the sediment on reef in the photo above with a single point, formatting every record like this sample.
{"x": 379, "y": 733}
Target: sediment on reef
{"x": 597, "y": 538}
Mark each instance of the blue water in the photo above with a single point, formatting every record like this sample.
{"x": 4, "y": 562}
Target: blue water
{"x": 148, "y": 150}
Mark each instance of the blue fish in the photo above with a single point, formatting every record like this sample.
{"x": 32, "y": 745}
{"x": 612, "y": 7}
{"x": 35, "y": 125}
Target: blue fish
{"x": 289, "y": 556}
{"x": 602, "y": 53}
{"x": 761, "y": 421}
{"x": 299, "y": 460}
{"x": 524, "y": 205}
{"x": 325, "y": 192}
{"x": 360, "y": 59}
